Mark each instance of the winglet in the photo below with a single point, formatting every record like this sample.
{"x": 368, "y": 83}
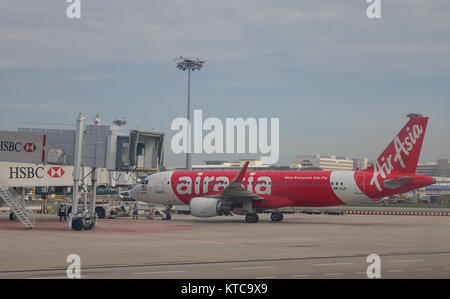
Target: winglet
{"x": 241, "y": 174}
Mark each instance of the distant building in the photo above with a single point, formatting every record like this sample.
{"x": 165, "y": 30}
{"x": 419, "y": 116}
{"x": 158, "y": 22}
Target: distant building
{"x": 323, "y": 162}
{"x": 360, "y": 163}
{"x": 440, "y": 168}
{"x": 429, "y": 168}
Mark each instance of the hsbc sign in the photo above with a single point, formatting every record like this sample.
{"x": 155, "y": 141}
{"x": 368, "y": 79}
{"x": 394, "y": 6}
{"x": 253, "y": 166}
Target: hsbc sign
{"x": 10, "y": 146}
{"x": 22, "y": 147}
{"x": 30, "y": 174}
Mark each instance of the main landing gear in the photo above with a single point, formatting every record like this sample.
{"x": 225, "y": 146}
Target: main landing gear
{"x": 276, "y": 216}
{"x": 251, "y": 218}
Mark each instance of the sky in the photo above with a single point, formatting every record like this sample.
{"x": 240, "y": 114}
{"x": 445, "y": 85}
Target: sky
{"x": 339, "y": 82}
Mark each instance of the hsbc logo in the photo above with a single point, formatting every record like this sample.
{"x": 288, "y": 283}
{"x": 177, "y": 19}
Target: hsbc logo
{"x": 29, "y": 147}
{"x": 56, "y": 172}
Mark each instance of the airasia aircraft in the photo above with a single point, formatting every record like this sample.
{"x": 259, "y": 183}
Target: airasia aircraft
{"x": 246, "y": 192}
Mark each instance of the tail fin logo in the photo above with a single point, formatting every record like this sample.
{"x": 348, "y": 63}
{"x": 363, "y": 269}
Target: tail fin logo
{"x": 402, "y": 149}
{"x": 409, "y": 142}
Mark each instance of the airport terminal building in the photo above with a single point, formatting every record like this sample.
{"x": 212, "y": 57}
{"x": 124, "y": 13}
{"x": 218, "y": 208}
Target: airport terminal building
{"x": 322, "y": 162}
{"x": 440, "y": 168}
{"x": 216, "y": 165}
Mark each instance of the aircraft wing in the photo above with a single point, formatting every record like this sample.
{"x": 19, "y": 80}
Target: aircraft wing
{"x": 398, "y": 182}
{"x": 234, "y": 192}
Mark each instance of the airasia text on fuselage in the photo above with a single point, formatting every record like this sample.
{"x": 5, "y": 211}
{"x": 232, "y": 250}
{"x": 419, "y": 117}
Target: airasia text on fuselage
{"x": 203, "y": 184}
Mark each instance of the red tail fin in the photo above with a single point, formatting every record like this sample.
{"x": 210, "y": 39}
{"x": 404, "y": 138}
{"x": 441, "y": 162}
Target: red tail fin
{"x": 402, "y": 154}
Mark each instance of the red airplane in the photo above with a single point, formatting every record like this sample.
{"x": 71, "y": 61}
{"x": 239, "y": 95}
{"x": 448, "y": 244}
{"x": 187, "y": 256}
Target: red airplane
{"x": 247, "y": 192}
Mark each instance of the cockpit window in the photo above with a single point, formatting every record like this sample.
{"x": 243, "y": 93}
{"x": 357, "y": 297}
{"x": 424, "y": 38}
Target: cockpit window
{"x": 146, "y": 182}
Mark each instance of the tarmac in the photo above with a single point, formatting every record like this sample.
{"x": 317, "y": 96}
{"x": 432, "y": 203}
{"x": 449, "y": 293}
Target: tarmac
{"x": 302, "y": 246}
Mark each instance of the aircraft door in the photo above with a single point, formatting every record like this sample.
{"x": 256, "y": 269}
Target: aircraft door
{"x": 161, "y": 182}
{"x": 360, "y": 180}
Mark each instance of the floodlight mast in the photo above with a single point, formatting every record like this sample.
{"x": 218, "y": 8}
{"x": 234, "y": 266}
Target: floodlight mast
{"x": 186, "y": 63}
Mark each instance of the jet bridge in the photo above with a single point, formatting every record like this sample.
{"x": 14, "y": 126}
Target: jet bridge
{"x": 147, "y": 150}
{"x": 95, "y": 146}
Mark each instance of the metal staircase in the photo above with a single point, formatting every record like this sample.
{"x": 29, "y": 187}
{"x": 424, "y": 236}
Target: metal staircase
{"x": 9, "y": 196}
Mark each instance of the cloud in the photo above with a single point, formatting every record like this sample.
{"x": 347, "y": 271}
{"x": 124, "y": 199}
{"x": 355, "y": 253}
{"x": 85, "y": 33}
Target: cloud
{"x": 314, "y": 35}
{"x": 40, "y": 106}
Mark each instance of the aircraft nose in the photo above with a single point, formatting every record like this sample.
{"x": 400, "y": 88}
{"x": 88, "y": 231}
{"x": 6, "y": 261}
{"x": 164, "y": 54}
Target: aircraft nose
{"x": 133, "y": 192}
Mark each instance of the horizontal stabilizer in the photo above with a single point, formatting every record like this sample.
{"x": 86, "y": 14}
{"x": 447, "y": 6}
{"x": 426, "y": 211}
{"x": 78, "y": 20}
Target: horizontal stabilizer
{"x": 398, "y": 182}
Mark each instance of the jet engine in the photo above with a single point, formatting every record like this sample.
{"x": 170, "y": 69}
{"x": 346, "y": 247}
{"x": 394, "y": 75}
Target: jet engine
{"x": 207, "y": 207}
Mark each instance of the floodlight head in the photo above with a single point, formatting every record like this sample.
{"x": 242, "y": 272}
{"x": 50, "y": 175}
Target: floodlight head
{"x": 187, "y": 63}
{"x": 120, "y": 122}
